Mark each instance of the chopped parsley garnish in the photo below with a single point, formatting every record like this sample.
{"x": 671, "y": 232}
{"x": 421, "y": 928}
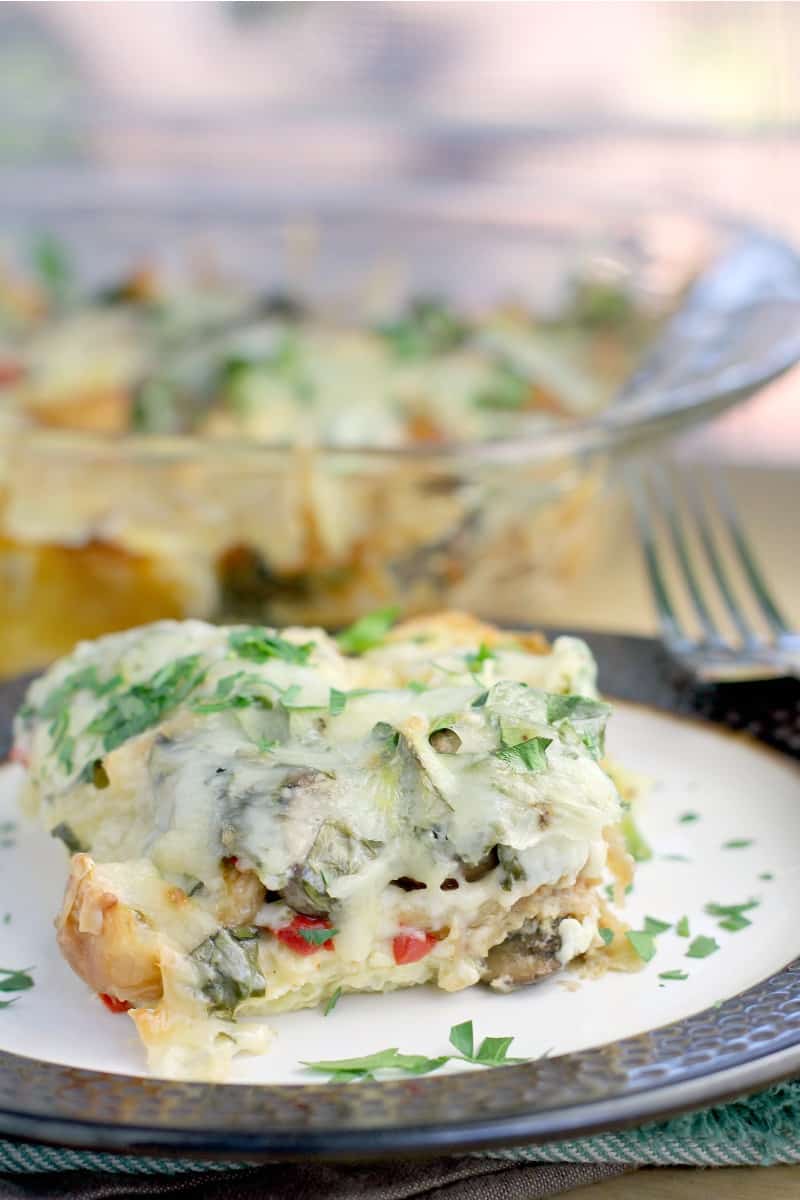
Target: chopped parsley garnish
{"x": 728, "y": 910}
{"x": 337, "y": 701}
{"x": 332, "y": 1002}
{"x": 230, "y": 702}
{"x": 687, "y": 817}
{"x": 642, "y": 942}
{"x": 574, "y": 708}
{"x": 737, "y": 844}
{"x": 609, "y": 890}
{"x": 415, "y": 685}
{"x": 673, "y": 975}
{"x": 63, "y": 741}
{"x": 7, "y": 919}
{"x": 530, "y": 755}
{"x": 507, "y": 391}
{"x": 480, "y": 700}
{"x": 492, "y": 1052}
{"x": 368, "y": 631}
{"x": 145, "y": 704}
{"x": 475, "y": 661}
{"x": 607, "y": 935}
{"x": 701, "y": 947}
{"x": 15, "y": 981}
{"x": 317, "y": 937}
{"x": 682, "y": 927}
{"x": 428, "y": 328}
{"x": 290, "y": 696}
{"x": 345, "y": 1069}
{"x": 463, "y": 1038}
{"x": 584, "y": 717}
{"x": 259, "y": 645}
{"x": 731, "y": 915}
{"x": 675, "y": 857}
{"x": 734, "y": 924}
{"x": 85, "y": 680}
{"x": 635, "y": 843}
{"x": 52, "y": 264}
{"x": 68, "y": 836}
{"x": 766, "y": 875}
{"x": 225, "y": 697}
{"x": 55, "y": 709}
{"x": 654, "y": 926}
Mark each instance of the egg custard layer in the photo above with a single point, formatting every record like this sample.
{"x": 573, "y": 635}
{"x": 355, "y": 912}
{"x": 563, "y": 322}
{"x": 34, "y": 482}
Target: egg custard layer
{"x": 259, "y": 819}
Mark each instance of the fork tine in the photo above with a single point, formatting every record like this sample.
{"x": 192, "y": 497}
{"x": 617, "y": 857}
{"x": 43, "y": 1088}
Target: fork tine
{"x": 672, "y": 633}
{"x": 666, "y": 499}
{"x": 698, "y": 509}
{"x": 770, "y": 610}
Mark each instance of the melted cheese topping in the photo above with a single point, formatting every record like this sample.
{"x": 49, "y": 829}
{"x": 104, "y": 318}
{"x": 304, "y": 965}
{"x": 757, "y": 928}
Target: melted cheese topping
{"x": 259, "y": 819}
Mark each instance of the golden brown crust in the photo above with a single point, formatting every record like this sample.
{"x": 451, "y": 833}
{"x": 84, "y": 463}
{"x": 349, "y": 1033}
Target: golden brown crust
{"x": 104, "y": 941}
{"x": 462, "y": 629}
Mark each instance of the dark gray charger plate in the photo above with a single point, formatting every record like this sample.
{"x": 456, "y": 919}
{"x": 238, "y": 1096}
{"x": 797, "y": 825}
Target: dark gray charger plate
{"x": 748, "y": 1042}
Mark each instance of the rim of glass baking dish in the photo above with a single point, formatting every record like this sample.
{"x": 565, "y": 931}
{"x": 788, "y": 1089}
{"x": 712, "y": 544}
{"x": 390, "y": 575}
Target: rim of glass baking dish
{"x": 621, "y": 426}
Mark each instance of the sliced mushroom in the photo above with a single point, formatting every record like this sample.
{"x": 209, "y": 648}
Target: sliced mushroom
{"x": 473, "y": 872}
{"x": 524, "y": 957}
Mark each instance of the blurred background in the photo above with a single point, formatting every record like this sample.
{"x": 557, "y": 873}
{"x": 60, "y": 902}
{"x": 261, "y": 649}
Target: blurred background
{"x": 128, "y": 129}
{"x": 180, "y": 106}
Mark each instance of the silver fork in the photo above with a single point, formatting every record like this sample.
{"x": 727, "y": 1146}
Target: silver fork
{"x": 677, "y": 517}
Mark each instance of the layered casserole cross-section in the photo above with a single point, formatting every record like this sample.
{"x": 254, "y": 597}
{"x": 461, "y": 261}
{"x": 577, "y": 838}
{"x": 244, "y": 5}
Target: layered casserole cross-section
{"x": 259, "y": 820}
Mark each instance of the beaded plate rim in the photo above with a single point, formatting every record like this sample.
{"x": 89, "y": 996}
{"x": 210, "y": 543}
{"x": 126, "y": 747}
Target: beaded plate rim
{"x": 749, "y": 1041}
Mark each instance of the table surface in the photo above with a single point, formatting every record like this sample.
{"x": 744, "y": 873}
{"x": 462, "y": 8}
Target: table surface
{"x": 681, "y": 1183}
{"x": 614, "y": 596}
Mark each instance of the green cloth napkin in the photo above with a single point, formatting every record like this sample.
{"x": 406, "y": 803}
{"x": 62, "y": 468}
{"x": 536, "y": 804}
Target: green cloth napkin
{"x": 759, "y": 1130}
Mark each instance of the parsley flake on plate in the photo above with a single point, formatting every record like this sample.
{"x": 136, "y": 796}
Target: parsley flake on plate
{"x": 642, "y": 942}
{"x": 682, "y": 927}
{"x": 15, "y": 981}
{"x": 673, "y": 975}
{"x": 737, "y": 844}
{"x": 701, "y": 947}
{"x": 607, "y": 935}
{"x": 732, "y": 916}
{"x": 687, "y": 817}
{"x": 654, "y": 926}
{"x": 492, "y": 1052}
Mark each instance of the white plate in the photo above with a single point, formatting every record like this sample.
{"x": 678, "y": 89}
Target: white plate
{"x": 739, "y": 790}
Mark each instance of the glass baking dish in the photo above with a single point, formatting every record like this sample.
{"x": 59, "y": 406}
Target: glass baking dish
{"x": 102, "y": 531}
